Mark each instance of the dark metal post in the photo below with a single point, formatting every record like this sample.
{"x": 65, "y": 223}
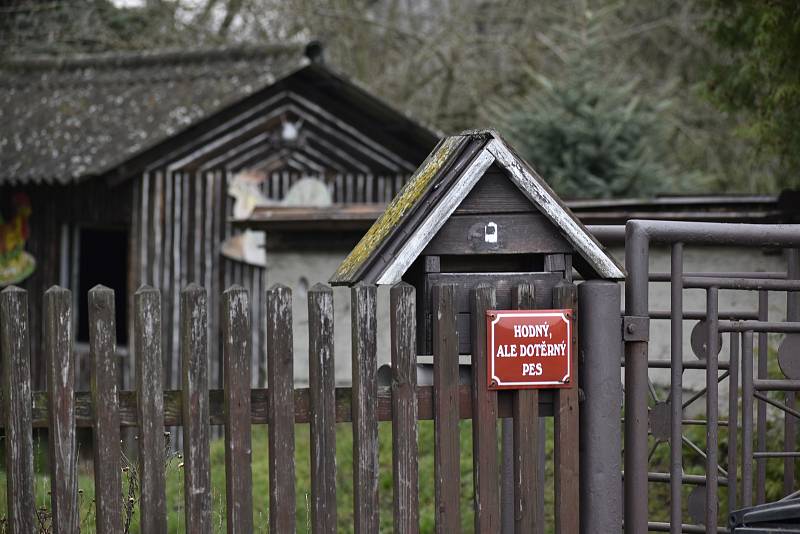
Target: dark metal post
{"x": 747, "y": 418}
{"x": 789, "y": 421}
{"x": 600, "y": 342}
{"x": 637, "y": 246}
{"x": 761, "y": 406}
{"x": 712, "y": 408}
{"x": 676, "y": 392}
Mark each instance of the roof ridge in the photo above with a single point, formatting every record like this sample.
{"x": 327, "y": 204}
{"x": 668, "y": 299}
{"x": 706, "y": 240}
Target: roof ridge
{"x": 145, "y": 58}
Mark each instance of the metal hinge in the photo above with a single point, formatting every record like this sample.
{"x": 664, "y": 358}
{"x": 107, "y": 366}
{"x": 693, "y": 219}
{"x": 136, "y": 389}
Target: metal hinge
{"x": 635, "y": 328}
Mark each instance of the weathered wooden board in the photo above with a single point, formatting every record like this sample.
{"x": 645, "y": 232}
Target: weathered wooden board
{"x": 196, "y": 443}
{"x": 235, "y": 324}
{"x": 404, "y": 408}
{"x": 322, "y": 381}
{"x": 527, "y": 492}
{"x": 15, "y": 345}
{"x": 107, "y": 453}
{"x": 365, "y": 421}
{"x": 465, "y": 282}
{"x": 447, "y": 467}
{"x": 149, "y": 386}
{"x": 567, "y": 479}
{"x": 62, "y": 444}
{"x": 484, "y": 419}
{"x": 259, "y": 403}
{"x": 280, "y": 381}
{"x": 495, "y": 193}
{"x": 517, "y": 233}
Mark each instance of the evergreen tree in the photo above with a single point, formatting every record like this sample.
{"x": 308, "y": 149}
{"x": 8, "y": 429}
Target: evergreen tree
{"x": 760, "y": 76}
{"x": 592, "y": 140}
{"x": 588, "y": 126}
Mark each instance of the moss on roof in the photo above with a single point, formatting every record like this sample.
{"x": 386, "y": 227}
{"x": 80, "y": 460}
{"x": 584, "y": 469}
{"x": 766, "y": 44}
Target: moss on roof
{"x": 387, "y": 222}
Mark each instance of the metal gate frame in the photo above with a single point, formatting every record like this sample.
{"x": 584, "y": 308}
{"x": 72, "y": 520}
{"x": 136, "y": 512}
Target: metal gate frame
{"x": 639, "y": 235}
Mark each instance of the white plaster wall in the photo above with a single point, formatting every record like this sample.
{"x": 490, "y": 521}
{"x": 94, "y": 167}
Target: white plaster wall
{"x": 300, "y": 271}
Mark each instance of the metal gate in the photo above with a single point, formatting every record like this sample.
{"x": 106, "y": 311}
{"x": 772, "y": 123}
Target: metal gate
{"x": 651, "y": 422}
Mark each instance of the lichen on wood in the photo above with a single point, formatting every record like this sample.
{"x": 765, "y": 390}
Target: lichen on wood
{"x": 413, "y": 190}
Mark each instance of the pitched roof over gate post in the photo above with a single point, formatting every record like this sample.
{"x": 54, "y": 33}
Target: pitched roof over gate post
{"x": 437, "y": 188}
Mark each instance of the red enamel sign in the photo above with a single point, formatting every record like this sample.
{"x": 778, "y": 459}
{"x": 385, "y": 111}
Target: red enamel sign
{"x": 529, "y": 348}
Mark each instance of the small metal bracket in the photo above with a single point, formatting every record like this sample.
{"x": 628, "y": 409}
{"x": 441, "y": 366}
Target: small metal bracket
{"x": 635, "y": 328}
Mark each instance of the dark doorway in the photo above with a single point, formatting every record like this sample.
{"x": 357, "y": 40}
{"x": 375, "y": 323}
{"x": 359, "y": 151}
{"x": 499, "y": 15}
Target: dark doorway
{"x": 103, "y": 259}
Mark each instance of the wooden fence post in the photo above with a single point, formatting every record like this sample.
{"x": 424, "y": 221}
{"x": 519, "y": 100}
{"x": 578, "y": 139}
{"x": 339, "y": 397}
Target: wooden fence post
{"x": 567, "y": 480}
{"x": 150, "y": 409}
{"x": 107, "y": 454}
{"x": 194, "y": 357}
{"x": 280, "y": 384}
{"x": 484, "y": 419}
{"x": 15, "y": 345}
{"x": 447, "y": 465}
{"x": 526, "y": 440}
{"x": 322, "y": 383}
{"x": 236, "y": 354}
{"x": 363, "y": 310}
{"x": 404, "y": 408}
{"x": 61, "y": 409}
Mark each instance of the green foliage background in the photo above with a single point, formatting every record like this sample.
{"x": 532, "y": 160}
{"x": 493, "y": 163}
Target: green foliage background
{"x": 758, "y": 75}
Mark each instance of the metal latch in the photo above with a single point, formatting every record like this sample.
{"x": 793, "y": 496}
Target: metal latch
{"x": 635, "y": 328}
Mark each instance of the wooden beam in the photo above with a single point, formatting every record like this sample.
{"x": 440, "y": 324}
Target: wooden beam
{"x": 260, "y": 403}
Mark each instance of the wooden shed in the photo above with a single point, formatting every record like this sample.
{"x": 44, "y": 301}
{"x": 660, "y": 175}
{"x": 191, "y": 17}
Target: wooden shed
{"x": 127, "y": 160}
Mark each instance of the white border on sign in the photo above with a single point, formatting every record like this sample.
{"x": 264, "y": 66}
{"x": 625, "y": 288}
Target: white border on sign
{"x": 563, "y": 317}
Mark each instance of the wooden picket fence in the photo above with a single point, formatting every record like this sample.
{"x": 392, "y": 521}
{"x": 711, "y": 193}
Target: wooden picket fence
{"x": 281, "y": 406}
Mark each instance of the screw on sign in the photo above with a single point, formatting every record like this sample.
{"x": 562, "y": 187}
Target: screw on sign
{"x": 529, "y": 348}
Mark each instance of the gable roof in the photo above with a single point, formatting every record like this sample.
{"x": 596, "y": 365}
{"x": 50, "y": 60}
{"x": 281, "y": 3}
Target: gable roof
{"x": 339, "y": 126}
{"x": 110, "y": 115}
{"x": 66, "y": 119}
{"x": 446, "y": 177}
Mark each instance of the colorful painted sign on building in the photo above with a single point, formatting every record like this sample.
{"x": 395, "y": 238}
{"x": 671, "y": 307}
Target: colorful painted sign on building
{"x": 15, "y": 263}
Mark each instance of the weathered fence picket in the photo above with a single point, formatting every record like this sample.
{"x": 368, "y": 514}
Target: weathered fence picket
{"x": 196, "y": 445}
{"x": 404, "y": 408}
{"x": 567, "y": 487}
{"x": 322, "y": 382}
{"x": 447, "y": 465}
{"x": 526, "y": 440}
{"x": 62, "y": 444}
{"x": 280, "y": 387}
{"x": 15, "y": 343}
{"x": 365, "y": 422}
{"x": 107, "y": 451}
{"x": 236, "y": 357}
{"x": 484, "y": 419}
{"x": 149, "y": 387}
{"x": 281, "y": 406}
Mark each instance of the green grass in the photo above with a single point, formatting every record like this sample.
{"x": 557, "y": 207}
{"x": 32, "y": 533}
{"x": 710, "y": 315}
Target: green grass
{"x": 260, "y": 470}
